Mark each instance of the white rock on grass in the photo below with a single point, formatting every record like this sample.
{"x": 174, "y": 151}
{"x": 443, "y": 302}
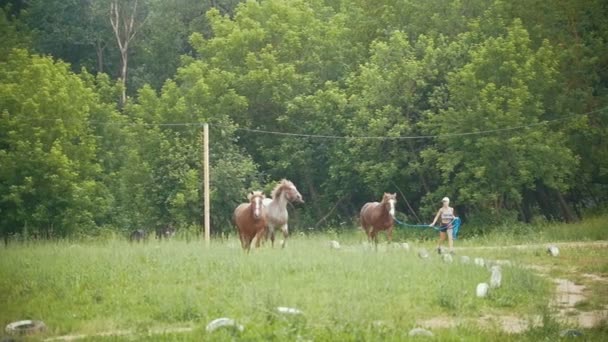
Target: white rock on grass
{"x": 479, "y": 262}
{"x": 447, "y": 258}
{"x": 482, "y": 290}
{"x": 504, "y": 262}
{"x": 333, "y": 244}
{"x": 420, "y": 332}
{"x": 405, "y": 246}
{"x": 288, "y": 311}
{"x": 224, "y": 322}
{"x": 553, "y": 250}
{"x": 423, "y": 254}
{"x": 496, "y": 277}
{"x": 465, "y": 259}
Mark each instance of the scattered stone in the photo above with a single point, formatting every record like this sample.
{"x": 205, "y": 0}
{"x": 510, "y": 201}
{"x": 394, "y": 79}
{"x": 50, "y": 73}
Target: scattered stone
{"x": 420, "y": 332}
{"x": 224, "y": 323}
{"x": 25, "y": 327}
{"x": 423, "y": 254}
{"x": 479, "y": 262}
{"x": 504, "y": 262}
{"x": 447, "y": 258}
{"x": 333, "y": 244}
{"x": 288, "y": 311}
{"x": 482, "y": 290}
{"x": 570, "y": 333}
{"x": 553, "y": 250}
{"x": 465, "y": 259}
{"x": 496, "y": 277}
{"x": 378, "y": 324}
{"x": 405, "y": 246}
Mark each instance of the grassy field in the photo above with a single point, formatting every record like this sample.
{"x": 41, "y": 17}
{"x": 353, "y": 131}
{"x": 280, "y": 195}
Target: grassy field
{"x": 351, "y": 294}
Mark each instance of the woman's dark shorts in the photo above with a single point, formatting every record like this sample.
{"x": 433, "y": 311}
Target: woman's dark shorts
{"x": 444, "y": 227}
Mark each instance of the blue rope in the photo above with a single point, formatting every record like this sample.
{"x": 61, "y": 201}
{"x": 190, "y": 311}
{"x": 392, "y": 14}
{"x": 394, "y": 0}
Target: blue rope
{"x": 403, "y": 224}
{"x": 455, "y": 225}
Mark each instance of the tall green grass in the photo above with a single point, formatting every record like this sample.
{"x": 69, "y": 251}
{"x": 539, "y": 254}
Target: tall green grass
{"x": 355, "y": 291}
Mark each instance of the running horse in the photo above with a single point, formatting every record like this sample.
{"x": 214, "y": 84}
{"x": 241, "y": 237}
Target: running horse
{"x": 250, "y": 220}
{"x": 276, "y": 208}
{"x": 379, "y": 216}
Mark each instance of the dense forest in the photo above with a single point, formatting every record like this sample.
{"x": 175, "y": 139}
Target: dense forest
{"x": 500, "y": 105}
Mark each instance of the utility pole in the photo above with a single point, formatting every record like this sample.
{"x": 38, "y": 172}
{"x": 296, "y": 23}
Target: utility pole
{"x": 206, "y": 201}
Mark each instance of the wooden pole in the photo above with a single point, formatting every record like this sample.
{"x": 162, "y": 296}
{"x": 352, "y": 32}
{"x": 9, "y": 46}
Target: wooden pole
{"x": 206, "y": 201}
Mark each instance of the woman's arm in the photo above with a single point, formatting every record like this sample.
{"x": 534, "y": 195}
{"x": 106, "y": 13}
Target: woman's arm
{"x": 436, "y": 217}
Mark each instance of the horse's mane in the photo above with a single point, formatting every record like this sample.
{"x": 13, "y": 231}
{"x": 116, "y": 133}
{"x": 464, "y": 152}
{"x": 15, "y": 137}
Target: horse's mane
{"x": 283, "y": 184}
{"x": 257, "y": 193}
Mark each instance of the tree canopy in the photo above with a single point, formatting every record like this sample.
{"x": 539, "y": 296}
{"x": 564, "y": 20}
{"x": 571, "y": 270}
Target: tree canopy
{"x": 499, "y": 105}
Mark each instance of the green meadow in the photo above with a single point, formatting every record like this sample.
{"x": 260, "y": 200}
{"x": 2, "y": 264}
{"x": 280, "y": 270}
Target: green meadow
{"x": 172, "y": 290}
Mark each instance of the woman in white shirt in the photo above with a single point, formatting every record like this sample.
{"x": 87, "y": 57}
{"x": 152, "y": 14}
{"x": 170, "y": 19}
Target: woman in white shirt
{"x": 447, "y": 216}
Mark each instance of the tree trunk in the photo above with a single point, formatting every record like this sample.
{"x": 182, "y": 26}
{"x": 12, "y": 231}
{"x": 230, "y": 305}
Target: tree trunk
{"x": 567, "y": 212}
{"x": 124, "y": 58}
{"x": 313, "y": 194}
{"x": 124, "y": 30}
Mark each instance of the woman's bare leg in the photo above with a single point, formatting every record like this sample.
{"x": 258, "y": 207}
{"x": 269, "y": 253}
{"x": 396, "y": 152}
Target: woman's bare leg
{"x": 451, "y": 240}
{"x": 441, "y": 239}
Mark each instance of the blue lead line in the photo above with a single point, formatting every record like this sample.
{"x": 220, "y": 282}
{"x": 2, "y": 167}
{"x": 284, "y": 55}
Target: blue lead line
{"x": 455, "y": 225}
{"x": 403, "y": 224}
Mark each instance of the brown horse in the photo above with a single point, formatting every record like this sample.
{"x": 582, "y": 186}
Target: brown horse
{"x": 250, "y": 219}
{"x": 276, "y": 208}
{"x": 379, "y": 216}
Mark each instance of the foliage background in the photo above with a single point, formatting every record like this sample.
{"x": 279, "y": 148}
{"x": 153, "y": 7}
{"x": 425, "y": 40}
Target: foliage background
{"x": 75, "y": 160}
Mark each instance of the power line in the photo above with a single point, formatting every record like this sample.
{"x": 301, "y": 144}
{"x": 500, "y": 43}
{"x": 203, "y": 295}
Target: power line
{"x": 339, "y": 137}
{"x": 432, "y": 136}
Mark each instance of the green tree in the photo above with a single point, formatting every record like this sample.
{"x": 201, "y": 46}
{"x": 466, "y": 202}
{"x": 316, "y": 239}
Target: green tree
{"x": 506, "y": 84}
{"x": 48, "y": 178}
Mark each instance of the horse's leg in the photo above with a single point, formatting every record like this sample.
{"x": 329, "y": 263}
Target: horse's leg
{"x": 271, "y": 231}
{"x": 285, "y": 230}
{"x": 242, "y": 238}
{"x": 374, "y": 237}
{"x": 389, "y": 234}
{"x": 258, "y": 238}
{"x": 249, "y": 239}
{"x": 370, "y": 234}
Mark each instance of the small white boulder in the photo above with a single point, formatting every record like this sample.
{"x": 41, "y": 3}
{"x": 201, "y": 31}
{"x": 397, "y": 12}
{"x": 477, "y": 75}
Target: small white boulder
{"x": 405, "y": 246}
{"x": 420, "y": 332}
{"x": 333, "y": 244}
{"x": 447, "y": 258}
{"x": 479, "y": 262}
{"x": 496, "y": 277}
{"x": 423, "y": 254}
{"x": 224, "y": 322}
{"x": 482, "y": 290}
{"x": 553, "y": 250}
{"x": 288, "y": 311}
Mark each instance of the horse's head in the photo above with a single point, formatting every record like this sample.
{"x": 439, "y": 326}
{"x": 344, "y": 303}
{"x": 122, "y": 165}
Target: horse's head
{"x": 390, "y": 200}
{"x": 289, "y": 190}
{"x": 255, "y": 199}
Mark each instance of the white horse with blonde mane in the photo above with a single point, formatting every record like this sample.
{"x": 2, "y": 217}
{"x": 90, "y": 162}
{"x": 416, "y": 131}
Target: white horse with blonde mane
{"x": 276, "y": 208}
